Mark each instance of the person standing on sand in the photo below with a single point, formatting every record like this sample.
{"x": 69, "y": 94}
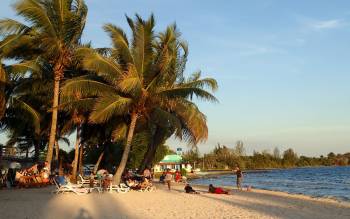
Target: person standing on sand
{"x": 168, "y": 178}
{"x": 239, "y": 175}
{"x": 147, "y": 173}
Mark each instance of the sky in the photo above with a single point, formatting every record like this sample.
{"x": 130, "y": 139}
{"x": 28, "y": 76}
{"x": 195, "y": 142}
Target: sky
{"x": 282, "y": 66}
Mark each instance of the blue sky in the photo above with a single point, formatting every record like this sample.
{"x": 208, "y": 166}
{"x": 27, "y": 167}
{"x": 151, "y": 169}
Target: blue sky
{"x": 282, "y": 66}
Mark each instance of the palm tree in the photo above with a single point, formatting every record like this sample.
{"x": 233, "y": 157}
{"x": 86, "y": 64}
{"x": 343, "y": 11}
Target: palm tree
{"x": 133, "y": 81}
{"x": 74, "y": 123}
{"x": 54, "y": 32}
{"x": 193, "y": 127}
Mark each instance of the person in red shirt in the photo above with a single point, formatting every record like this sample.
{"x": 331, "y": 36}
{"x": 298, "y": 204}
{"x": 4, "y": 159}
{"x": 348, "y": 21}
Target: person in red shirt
{"x": 216, "y": 190}
{"x": 177, "y": 176}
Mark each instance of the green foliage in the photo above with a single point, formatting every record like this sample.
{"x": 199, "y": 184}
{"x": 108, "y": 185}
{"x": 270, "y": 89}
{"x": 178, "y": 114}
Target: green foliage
{"x": 222, "y": 157}
{"x": 183, "y": 172}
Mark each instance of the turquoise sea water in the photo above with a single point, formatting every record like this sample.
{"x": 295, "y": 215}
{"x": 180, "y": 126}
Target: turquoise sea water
{"x": 330, "y": 182}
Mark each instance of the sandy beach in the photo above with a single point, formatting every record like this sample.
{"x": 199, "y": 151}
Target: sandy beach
{"x": 41, "y": 203}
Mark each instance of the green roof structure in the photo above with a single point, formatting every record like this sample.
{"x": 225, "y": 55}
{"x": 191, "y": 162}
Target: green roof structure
{"x": 173, "y": 158}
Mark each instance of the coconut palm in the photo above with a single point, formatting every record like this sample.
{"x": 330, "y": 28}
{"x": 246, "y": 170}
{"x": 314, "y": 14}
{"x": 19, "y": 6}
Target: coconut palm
{"x": 53, "y": 32}
{"x": 193, "y": 127}
{"x": 135, "y": 81}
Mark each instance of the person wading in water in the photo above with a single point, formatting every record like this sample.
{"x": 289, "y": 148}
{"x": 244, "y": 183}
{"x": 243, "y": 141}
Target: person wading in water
{"x": 239, "y": 175}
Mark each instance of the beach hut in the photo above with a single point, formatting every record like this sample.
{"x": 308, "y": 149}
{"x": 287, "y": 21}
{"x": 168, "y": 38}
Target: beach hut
{"x": 172, "y": 162}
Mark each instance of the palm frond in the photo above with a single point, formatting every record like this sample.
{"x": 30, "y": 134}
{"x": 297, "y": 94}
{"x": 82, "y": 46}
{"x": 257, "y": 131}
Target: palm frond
{"x": 30, "y": 111}
{"x": 187, "y": 92}
{"x": 120, "y": 43}
{"x": 35, "y": 12}
{"x": 85, "y": 87}
{"x": 130, "y": 82}
{"x": 142, "y": 50}
{"x": 194, "y": 127}
{"x": 103, "y": 66}
{"x": 120, "y": 132}
{"x": 204, "y": 83}
{"x": 24, "y": 67}
{"x": 108, "y": 106}
{"x": 10, "y": 26}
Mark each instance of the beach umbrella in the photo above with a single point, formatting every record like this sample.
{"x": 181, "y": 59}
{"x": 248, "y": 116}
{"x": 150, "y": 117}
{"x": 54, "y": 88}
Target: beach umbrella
{"x": 15, "y": 165}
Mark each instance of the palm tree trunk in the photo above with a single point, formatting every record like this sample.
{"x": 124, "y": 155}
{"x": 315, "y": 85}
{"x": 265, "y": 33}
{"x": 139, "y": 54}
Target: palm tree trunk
{"x": 81, "y": 159}
{"x": 122, "y": 164}
{"x": 52, "y": 137}
{"x": 3, "y": 80}
{"x": 37, "y": 151}
{"x": 76, "y": 156}
{"x": 60, "y": 167}
{"x": 57, "y": 150}
{"x": 157, "y": 139}
{"x": 98, "y": 162}
{"x": 2, "y": 103}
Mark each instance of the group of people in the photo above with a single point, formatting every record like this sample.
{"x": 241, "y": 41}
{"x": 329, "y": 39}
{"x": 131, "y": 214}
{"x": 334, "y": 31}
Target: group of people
{"x": 34, "y": 176}
{"x": 138, "y": 182}
{"x": 167, "y": 176}
{"x": 218, "y": 190}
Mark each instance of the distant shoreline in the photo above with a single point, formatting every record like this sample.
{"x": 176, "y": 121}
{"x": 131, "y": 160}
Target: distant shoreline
{"x": 214, "y": 173}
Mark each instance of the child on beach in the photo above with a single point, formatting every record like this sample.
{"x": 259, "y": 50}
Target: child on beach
{"x": 168, "y": 178}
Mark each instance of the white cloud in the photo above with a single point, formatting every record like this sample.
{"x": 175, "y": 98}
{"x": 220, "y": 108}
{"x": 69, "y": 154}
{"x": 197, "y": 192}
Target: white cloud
{"x": 326, "y": 24}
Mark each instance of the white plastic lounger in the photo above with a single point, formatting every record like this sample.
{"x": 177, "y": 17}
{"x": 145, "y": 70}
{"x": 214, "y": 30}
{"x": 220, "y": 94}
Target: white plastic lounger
{"x": 121, "y": 188}
{"x": 77, "y": 189}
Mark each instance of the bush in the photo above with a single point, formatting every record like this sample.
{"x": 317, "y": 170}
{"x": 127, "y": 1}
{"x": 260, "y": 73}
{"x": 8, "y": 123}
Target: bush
{"x": 183, "y": 172}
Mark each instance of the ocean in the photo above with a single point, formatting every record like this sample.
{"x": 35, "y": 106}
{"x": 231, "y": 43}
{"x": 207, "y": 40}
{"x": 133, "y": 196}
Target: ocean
{"x": 328, "y": 182}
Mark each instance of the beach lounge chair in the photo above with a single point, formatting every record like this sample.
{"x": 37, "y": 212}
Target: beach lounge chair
{"x": 147, "y": 188}
{"x": 83, "y": 181}
{"x": 77, "y": 189}
{"x": 86, "y": 182}
{"x": 121, "y": 188}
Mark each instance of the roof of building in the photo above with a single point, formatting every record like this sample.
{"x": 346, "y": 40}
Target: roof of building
{"x": 173, "y": 158}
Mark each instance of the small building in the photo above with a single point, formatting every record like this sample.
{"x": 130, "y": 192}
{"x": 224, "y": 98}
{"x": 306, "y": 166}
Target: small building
{"x": 172, "y": 162}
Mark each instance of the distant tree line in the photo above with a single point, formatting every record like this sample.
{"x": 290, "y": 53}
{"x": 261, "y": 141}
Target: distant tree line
{"x": 224, "y": 157}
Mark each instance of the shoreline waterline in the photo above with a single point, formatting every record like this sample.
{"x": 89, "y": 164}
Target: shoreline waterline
{"x": 163, "y": 203}
{"x": 320, "y": 182}
{"x": 279, "y": 193}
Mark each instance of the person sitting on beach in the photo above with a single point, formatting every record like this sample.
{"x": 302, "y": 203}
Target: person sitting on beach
{"x": 147, "y": 174}
{"x": 162, "y": 177}
{"x": 189, "y": 189}
{"x": 216, "y": 190}
{"x": 146, "y": 183}
{"x": 131, "y": 183}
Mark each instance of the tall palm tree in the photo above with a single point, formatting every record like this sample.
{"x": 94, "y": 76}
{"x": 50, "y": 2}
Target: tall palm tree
{"x": 54, "y": 32}
{"x": 134, "y": 81}
{"x": 193, "y": 127}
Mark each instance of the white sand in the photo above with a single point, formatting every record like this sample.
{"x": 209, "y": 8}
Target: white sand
{"x": 41, "y": 203}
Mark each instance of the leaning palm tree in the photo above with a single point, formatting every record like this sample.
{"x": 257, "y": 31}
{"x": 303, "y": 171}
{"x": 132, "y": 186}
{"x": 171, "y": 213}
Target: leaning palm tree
{"x": 193, "y": 127}
{"x": 132, "y": 81}
{"x": 53, "y": 32}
